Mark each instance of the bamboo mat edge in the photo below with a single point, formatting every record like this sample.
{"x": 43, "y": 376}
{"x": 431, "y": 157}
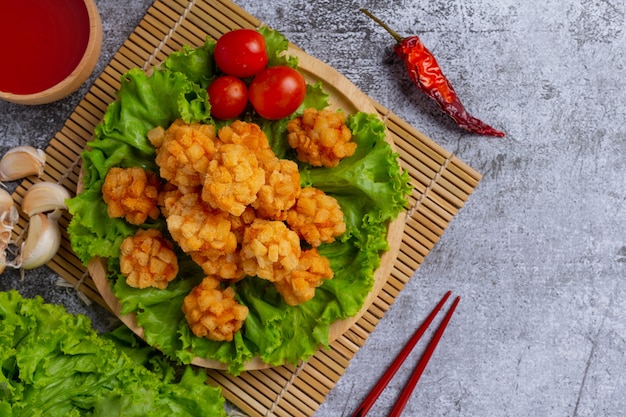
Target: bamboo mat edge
{"x": 442, "y": 184}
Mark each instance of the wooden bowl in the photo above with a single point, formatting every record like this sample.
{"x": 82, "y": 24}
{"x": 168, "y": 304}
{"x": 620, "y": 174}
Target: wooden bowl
{"x": 49, "y": 48}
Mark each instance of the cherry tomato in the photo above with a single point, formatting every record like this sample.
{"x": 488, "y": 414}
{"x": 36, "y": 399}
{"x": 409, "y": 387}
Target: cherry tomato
{"x": 228, "y": 96}
{"x": 241, "y": 53}
{"x": 276, "y": 92}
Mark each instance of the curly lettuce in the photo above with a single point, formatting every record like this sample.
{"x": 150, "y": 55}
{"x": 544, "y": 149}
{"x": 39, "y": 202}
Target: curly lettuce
{"x": 370, "y": 186}
{"x": 54, "y": 364}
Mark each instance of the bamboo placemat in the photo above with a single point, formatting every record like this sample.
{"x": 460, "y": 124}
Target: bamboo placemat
{"x": 441, "y": 185}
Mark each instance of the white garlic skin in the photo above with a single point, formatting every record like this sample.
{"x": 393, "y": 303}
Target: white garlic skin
{"x": 44, "y": 197}
{"x": 21, "y": 162}
{"x": 42, "y": 242}
{"x": 8, "y": 218}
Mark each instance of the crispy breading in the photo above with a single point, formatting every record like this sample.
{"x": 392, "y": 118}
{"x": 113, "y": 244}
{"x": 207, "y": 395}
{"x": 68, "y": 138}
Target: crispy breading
{"x": 199, "y": 228}
{"x": 226, "y": 267}
{"x": 321, "y": 138}
{"x": 281, "y": 188}
{"x": 243, "y": 133}
{"x": 131, "y": 193}
{"x": 147, "y": 259}
{"x": 184, "y": 152}
{"x": 269, "y": 250}
{"x": 213, "y": 312}
{"x": 239, "y": 223}
{"x": 316, "y": 217}
{"x": 299, "y": 286}
{"x": 169, "y": 195}
{"x": 233, "y": 179}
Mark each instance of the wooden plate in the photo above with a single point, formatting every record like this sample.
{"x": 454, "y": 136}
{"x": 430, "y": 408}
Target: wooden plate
{"x": 343, "y": 95}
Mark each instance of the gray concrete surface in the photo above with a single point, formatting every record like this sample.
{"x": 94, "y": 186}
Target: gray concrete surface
{"x": 538, "y": 254}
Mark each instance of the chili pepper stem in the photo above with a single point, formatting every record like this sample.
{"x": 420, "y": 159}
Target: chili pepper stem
{"x": 393, "y": 33}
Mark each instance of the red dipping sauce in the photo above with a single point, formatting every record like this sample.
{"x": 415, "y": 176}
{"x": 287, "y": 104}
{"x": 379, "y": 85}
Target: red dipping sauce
{"x": 41, "y": 42}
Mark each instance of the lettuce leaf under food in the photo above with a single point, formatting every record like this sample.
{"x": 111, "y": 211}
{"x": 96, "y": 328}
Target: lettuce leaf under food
{"x": 54, "y": 364}
{"x": 370, "y": 186}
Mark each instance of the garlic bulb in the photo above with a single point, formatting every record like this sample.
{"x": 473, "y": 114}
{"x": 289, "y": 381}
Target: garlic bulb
{"x": 42, "y": 243}
{"x": 43, "y": 197}
{"x": 22, "y": 161}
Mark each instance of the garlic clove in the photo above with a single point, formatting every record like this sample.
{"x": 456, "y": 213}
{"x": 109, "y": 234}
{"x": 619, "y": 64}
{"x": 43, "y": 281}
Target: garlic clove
{"x": 3, "y": 260}
{"x": 42, "y": 243}
{"x": 8, "y": 217}
{"x": 8, "y": 211}
{"x": 43, "y": 197}
{"x": 6, "y": 200}
{"x": 20, "y": 162}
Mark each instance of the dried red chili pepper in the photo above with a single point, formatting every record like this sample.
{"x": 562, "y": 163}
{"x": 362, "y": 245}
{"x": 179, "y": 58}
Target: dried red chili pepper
{"x": 425, "y": 72}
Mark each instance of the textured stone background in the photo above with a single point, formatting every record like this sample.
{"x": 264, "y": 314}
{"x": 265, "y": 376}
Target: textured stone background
{"x": 538, "y": 253}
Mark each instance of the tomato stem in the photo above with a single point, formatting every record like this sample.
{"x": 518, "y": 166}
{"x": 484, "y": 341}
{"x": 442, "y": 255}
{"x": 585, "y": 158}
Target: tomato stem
{"x": 392, "y": 32}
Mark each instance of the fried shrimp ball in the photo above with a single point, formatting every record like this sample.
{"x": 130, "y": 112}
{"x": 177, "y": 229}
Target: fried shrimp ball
{"x": 239, "y": 223}
{"x": 148, "y": 260}
{"x": 226, "y": 267}
{"x": 316, "y": 217}
{"x": 184, "y": 152}
{"x": 281, "y": 188}
{"x": 131, "y": 193}
{"x": 199, "y": 228}
{"x": 168, "y": 196}
{"x": 321, "y": 138}
{"x": 213, "y": 312}
{"x": 233, "y": 179}
{"x": 269, "y": 250}
{"x": 249, "y": 135}
{"x": 299, "y": 286}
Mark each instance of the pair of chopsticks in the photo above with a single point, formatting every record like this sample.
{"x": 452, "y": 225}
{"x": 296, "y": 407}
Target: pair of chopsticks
{"x": 371, "y": 398}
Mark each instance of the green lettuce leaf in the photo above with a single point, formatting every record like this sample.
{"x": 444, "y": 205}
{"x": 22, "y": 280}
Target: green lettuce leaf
{"x": 196, "y": 64}
{"x": 370, "y": 186}
{"x": 54, "y": 364}
{"x": 276, "y": 45}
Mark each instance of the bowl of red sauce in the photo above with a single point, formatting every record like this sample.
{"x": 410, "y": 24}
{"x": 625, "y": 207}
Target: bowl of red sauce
{"x": 48, "y": 48}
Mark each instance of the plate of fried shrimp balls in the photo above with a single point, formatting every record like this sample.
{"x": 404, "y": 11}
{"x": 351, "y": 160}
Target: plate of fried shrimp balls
{"x": 235, "y": 209}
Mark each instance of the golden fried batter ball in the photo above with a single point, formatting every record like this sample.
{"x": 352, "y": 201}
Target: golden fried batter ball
{"x": 233, "y": 179}
{"x": 147, "y": 259}
{"x": 168, "y": 196}
{"x": 249, "y": 135}
{"x": 131, "y": 193}
{"x": 316, "y": 217}
{"x": 226, "y": 267}
{"x": 321, "y": 138}
{"x": 281, "y": 188}
{"x": 299, "y": 286}
{"x": 213, "y": 312}
{"x": 183, "y": 152}
{"x": 269, "y": 250}
{"x": 199, "y": 228}
{"x": 239, "y": 223}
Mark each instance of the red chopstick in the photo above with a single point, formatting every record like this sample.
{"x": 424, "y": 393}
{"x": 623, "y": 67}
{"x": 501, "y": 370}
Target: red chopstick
{"x": 371, "y": 398}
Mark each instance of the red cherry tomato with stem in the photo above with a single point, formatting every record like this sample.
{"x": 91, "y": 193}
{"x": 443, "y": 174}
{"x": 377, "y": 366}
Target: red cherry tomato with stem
{"x": 241, "y": 53}
{"x": 228, "y": 96}
{"x": 276, "y": 92}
